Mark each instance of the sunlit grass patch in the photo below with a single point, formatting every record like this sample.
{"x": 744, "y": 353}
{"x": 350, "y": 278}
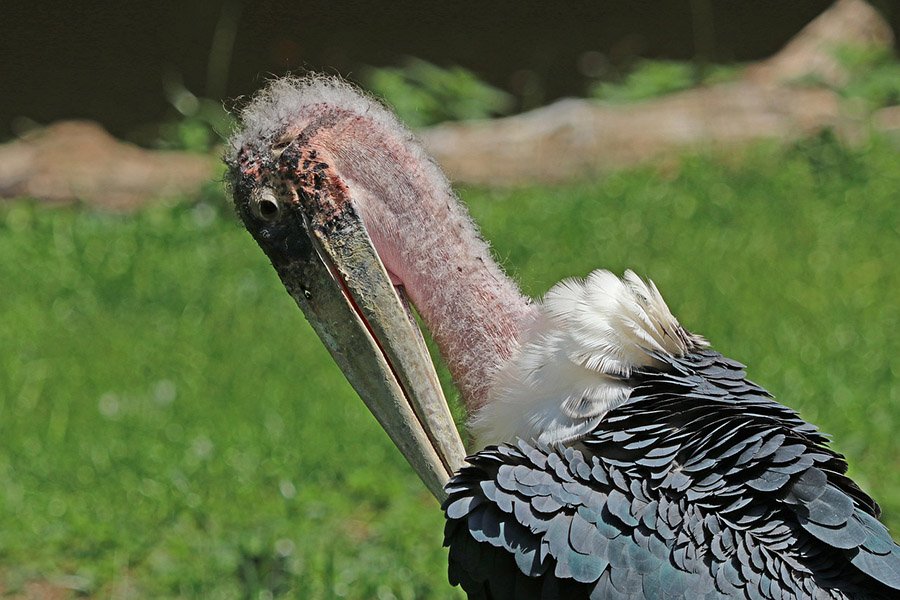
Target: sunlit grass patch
{"x": 168, "y": 419}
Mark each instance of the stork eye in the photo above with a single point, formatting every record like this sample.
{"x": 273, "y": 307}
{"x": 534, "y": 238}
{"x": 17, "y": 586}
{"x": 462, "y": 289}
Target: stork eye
{"x": 265, "y": 206}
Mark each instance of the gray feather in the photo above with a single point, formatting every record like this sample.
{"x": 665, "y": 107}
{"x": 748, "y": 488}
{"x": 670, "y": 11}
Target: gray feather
{"x": 700, "y": 486}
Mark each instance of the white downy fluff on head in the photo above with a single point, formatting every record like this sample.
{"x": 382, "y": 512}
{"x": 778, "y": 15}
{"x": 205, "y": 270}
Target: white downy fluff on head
{"x": 573, "y": 362}
{"x": 284, "y": 99}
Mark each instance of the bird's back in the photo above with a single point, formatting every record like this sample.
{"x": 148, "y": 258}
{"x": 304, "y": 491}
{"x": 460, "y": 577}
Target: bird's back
{"x": 700, "y": 485}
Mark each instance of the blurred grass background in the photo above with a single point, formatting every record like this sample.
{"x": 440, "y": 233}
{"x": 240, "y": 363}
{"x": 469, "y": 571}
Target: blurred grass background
{"x": 170, "y": 426}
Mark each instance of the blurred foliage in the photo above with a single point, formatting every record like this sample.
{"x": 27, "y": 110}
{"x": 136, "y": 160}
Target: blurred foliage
{"x": 873, "y": 78}
{"x": 423, "y": 94}
{"x": 170, "y": 425}
{"x": 873, "y": 75}
{"x": 654, "y": 78}
{"x": 203, "y": 124}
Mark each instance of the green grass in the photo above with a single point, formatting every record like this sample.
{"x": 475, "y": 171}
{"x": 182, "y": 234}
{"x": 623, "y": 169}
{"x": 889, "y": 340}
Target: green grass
{"x": 170, "y": 424}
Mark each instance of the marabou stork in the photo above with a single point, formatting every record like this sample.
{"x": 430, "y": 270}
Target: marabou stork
{"x": 621, "y": 456}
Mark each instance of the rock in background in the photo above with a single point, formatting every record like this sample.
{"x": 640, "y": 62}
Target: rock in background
{"x": 79, "y": 161}
{"x": 573, "y": 138}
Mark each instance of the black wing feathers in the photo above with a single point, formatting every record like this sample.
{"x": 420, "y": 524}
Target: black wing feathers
{"x": 699, "y": 486}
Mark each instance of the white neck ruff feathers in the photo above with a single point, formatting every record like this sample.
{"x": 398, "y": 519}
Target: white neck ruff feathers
{"x": 573, "y": 361}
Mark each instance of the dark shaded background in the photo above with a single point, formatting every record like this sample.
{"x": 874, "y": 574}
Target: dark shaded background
{"x": 107, "y": 61}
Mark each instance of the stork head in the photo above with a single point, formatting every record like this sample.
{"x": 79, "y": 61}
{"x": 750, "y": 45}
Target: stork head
{"x": 314, "y": 173}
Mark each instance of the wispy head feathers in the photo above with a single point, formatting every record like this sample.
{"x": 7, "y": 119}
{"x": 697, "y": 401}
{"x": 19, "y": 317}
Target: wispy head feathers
{"x": 284, "y": 100}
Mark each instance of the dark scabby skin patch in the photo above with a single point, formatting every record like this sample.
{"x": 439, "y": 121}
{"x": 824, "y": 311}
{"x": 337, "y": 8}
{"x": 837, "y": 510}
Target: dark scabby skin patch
{"x": 297, "y": 173}
{"x": 311, "y": 197}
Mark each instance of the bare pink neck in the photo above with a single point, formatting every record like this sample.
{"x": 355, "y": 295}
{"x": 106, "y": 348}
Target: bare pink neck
{"x": 427, "y": 241}
{"x": 474, "y": 311}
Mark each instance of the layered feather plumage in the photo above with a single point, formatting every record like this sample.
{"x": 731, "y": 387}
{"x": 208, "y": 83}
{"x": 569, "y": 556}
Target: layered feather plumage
{"x": 676, "y": 478}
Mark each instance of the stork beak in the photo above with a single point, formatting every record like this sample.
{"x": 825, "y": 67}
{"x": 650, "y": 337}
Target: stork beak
{"x": 332, "y": 270}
